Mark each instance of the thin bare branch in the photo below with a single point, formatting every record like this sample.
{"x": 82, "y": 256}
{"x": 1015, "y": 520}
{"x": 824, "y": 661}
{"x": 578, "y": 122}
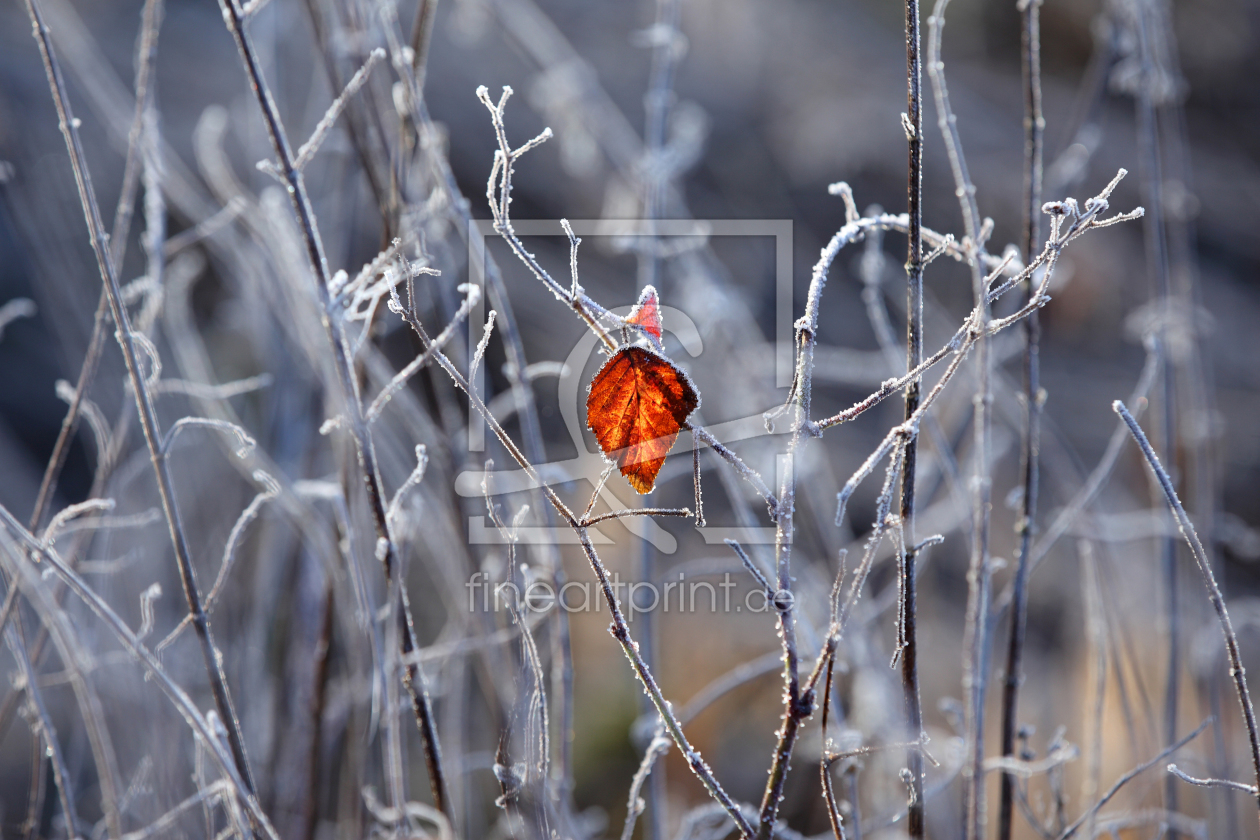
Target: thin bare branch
{"x": 140, "y": 388}
{"x": 1191, "y": 537}
{"x": 1225, "y": 783}
{"x": 1071, "y": 830}
{"x": 28, "y": 580}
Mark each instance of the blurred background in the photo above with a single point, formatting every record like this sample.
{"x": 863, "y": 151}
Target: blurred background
{"x": 766, "y": 104}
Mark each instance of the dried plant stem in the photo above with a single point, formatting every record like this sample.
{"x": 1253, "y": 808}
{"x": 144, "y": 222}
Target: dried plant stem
{"x": 798, "y": 703}
{"x": 909, "y": 650}
{"x": 824, "y": 765}
{"x": 140, "y": 387}
{"x": 421, "y": 38}
{"x": 498, "y": 192}
{"x": 361, "y": 137}
{"x": 42, "y": 730}
{"x": 1086, "y": 219}
{"x": 25, "y": 576}
{"x": 894, "y": 445}
{"x": 620, "y": 629}
{"x": 1223, "y": 783}
{"x": 1034, "y": 127}
{"x": 799, "y": 698}
{"x": 657, "y": 178}
{"x": 527, "y": 411}
{"x": 968, "y": 334}
{"x": 1191, "y": 537}
{"x": 1089, "y": 814}
{"x": 884, "y": 520}
{"x": 70, "y": 423}
{"x": 146, "y": 56}
{"x": 975, "y": 644}
{"x": 413, "y": 678}
{"x": 635, "y": 804}
{"x": 621, "y": 632}
{"x": 898, "y": 433}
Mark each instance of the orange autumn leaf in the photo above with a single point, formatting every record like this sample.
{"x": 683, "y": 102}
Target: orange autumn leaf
{"x": 647, "y": 313}
{"x": 637, "y": 404}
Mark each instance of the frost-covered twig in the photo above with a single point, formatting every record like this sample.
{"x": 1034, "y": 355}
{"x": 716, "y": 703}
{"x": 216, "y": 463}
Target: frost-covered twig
{"x": 42, "y": 728}
{"x": 146, "y": 56}
{"x": 245, "y": 441}
{"x": 617, "y": 514}
{"x": 635, "y": 803}
{"x": 69, "y": 512}
{"x": 1071, "y": 830}
{"x": 15, "y": 310}
{"x": 798, "y": 702}
{"x": 234, "y": 17}
{"x": 164, "y": 823}
{"x": 975, "y": 637}
{"x": 144, "y": 402}
{"x": 1077, "y": 221}
{"x": 413, "y": 480}
{"x": 223, "y": 391}
{"x": 499, "y": 196}
{"x": 620, "y": 628}
{"x": 271, "y": 489}
{"x": 1225, "y": 783}
{"x": 400, "y": 379}
{"x": 326, "y": 122}
{"x": 24, "y": 576}
{"x": 1191, "y": 537}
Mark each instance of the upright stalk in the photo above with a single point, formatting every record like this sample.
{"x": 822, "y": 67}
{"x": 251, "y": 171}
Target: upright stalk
{"x": 914, "y": 358}
{"x": 1236, "y": 671}
{"x": 796, "y": 705}
{"x": 798, "y": 700}
{"x": 369, "y": 473}
{"x": 975, "y": 644}
{"x": 1034, "y": 126}
{"x": 144, "y": 398}
{"x": 146, "y": 55}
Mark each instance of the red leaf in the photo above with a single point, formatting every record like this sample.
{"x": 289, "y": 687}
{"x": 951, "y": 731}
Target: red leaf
{"x": 647, "y": 313}
{"x": 637, "y": 404}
